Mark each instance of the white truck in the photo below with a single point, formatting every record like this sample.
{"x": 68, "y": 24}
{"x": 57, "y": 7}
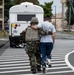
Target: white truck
{"x": 19, "y": 18}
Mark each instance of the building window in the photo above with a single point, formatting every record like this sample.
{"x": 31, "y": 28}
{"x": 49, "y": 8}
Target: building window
{"x": 0, "y": 13}
{"x": 1, "y": 2}
{"x": 24, "y": 17}
{"x": 0, "y": 25}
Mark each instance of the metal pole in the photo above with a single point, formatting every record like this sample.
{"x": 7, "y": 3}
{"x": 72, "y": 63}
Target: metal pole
{"x": 55, "y": 16}
{"x": 71, "y": 3}
{"x": 3, "y": 14}
{"x": 69, "y": 18}
{"x": 62, "y": 16}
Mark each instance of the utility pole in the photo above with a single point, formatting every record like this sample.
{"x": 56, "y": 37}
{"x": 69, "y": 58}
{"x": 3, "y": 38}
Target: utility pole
{"x": 69, "y": 19}
{"x": 70, "y": 9}
{"x": 55, "y": 17}
{"x": 62, "y": 16}
{"x": 3, "y": 14}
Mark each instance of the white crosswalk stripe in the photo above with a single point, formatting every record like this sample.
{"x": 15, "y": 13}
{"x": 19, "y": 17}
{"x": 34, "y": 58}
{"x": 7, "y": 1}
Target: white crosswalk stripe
{"x": 16, "y": 61}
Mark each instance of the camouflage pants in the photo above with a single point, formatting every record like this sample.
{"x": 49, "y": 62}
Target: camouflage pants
{"x": 34, "y": 54}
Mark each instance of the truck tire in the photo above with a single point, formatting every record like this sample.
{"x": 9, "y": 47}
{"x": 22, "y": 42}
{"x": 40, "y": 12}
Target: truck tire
{"x": 11, "y": 45}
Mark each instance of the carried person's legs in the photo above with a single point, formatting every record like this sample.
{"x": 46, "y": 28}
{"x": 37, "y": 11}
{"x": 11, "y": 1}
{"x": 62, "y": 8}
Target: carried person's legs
{"x": 49, "y": 49}
{"x": 43, "y": 55}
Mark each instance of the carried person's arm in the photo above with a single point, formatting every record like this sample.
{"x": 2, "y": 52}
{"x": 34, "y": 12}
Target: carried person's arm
{"x": 53, "y": 37}
{"x": 41, "y": 31}
{"x": 44, "y": 32}
{"x": 54, "y": 34}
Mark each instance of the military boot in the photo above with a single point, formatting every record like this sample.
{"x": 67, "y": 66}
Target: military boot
{"x": 39, "y": 68}
{"x": 33, "y": 71}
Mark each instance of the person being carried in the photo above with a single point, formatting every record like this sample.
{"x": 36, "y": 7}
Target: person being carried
{"x": 46, "y": 41}
{"x": 32, "y": 38}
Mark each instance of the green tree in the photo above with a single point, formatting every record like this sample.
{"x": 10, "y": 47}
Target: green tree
{"x": 7, "y": 5}
{"x": 47, "y": 9}
{"x": 70, "y": 4}
{"x": 20, "y": 1}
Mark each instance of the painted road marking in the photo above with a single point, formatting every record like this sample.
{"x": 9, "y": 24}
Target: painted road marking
{"x": 67, "y": 61}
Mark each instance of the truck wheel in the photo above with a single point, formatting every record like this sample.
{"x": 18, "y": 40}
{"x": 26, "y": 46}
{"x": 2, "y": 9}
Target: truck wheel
{"x": 11, "y": 45}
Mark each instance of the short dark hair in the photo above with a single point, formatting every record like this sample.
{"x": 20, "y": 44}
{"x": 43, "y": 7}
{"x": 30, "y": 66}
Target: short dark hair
{"x": 47, "y": 18}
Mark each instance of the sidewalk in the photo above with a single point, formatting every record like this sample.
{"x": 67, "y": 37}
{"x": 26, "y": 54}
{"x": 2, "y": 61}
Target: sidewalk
{"x": 60, "y": 35}
{"x": 3, "y": 41}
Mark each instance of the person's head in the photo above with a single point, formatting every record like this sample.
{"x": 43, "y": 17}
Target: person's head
{"x": 47, "y": 18}
{"x": 34, "y": 21}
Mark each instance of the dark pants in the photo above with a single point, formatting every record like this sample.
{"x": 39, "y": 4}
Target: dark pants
{"x": 34, "y": 54}
{"x": 46, "y": 49}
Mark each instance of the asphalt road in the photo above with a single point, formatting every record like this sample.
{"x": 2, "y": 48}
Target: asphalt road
{"x": 14, "y": 61}
{"x": 71, "y": 58}
{"x": 3, "y": 45}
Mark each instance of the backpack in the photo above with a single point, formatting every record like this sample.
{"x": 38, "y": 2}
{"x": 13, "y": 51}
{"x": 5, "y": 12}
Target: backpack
{"x": 31, "y": 34}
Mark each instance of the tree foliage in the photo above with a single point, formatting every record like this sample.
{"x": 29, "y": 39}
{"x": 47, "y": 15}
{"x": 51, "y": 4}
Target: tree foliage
{"x": 47, "y": 9}
{"x": 20, "y": 1}
{"x": 7, "y": 5}
{"x": 70, "y": 4}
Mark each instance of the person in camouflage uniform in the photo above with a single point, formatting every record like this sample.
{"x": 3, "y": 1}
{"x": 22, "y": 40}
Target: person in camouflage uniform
{"x": 32, "y": 48}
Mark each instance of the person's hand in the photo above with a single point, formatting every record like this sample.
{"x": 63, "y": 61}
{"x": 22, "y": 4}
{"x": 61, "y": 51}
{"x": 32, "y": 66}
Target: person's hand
{"x": 49, "y": 32}
{"x": 29, "y": 25}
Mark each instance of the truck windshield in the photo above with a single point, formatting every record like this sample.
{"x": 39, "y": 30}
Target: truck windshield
{"x": 24, "y": 17}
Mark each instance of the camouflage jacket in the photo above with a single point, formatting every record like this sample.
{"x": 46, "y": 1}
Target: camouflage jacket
{"x": 40, "y": 31}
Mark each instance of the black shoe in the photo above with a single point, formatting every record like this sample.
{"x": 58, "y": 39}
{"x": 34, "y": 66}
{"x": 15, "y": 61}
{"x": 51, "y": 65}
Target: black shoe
{"x": 44, "y": 69}
{"x": 39, "y": 68}
{"x": 49, "y": 66}
{"x": 34, "y": 71}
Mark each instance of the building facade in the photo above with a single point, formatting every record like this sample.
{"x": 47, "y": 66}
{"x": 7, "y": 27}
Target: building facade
{"x": 58, "y": 20}
{"x": 60, "y": 23}
{"x": 1, "y": 15}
